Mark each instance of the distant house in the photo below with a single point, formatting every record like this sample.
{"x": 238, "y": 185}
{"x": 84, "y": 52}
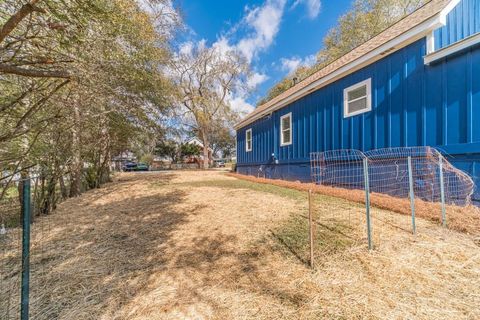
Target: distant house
{"x": 196, "y": 141}
{"x": 415, "y": 84}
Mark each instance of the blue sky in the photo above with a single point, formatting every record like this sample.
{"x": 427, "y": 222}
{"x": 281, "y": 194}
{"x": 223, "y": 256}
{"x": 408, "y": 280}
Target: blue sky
{"x": 275, "y": 35}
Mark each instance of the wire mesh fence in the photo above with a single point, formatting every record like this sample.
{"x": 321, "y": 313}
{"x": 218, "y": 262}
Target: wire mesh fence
{"x": 389, "y": 174}
{"x": 408, "y": 177}
{"x": 23, "y": 201}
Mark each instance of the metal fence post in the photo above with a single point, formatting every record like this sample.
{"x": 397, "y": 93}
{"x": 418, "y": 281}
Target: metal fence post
{"x": 412, "y": 195}
{"x": 310, "y": 225}
{"x": 442, "y": 191}
{"x": 367, "y": 202}
{"x": 25, "y": 251}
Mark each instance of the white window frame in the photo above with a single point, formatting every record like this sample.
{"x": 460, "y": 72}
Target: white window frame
{"x": 246, "y": 140}
{"x": 283, "y": 143}
{"x": 368, "y": 84}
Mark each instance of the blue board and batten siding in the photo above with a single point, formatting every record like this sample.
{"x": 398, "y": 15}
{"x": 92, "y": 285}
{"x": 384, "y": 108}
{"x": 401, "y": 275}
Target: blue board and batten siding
{"x": 413, "y": 104}
{"x": 463, "y": 21}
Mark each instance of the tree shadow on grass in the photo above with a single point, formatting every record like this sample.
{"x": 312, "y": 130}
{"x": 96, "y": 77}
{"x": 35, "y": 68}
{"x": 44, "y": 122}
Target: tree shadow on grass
{"x": 90, "y": 258}
{"x": 99, "y": 260}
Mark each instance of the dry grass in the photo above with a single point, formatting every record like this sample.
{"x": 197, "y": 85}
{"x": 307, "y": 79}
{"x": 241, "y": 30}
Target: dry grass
{"x": 202, "y": 245}
{"x": 464, "y": 219}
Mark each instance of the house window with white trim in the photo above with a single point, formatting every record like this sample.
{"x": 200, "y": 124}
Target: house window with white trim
{"x": 248, "y": 140}
{"x": 286, "y": 129}
{"x": 357, "y": 99}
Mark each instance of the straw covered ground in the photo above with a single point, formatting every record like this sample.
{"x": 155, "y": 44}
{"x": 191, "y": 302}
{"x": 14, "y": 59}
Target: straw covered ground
{"x": 204, "y": 245}
{"x": 465, "y": 219}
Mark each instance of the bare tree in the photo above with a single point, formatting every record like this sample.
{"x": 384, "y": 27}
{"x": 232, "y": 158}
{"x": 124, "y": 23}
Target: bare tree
{"x": 206, "y": 79}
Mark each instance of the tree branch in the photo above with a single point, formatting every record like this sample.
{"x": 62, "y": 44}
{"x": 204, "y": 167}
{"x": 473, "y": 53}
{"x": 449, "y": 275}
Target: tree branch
{"x": 34, "y": 73}
{"x": 14, "y": 20}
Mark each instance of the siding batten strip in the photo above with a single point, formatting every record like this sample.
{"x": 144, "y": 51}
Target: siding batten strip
{"x": 404, "y": 99}
{"x": 424, "y": 107}
{"x": 332, "y": 119}
{"x": 389, "y": 115}
{"x": 469, "y": 98}
{"x": 445, "y": 103}
{"x": 374, "y": 109}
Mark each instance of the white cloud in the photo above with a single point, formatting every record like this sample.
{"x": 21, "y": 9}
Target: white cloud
{"x": 291, "y": 64}
{"x": 223, "y": 45}
{"x": 255, "y": 33}
{"x": 256, "y": 79}
{"x": 265, "y": 22}
{"x": 260, "y": 24}
{"x": 309, "y": 60}
{"x": 186, "y": 48}
{"x": 241, "y": 106}
{"x": 313, "y": 7}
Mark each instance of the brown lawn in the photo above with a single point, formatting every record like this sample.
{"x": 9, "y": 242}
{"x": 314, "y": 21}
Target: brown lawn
{"x": 203, "y": 245}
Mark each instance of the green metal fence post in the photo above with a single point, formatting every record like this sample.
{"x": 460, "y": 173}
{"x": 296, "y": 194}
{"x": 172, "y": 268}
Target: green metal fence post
{"x": 412, "y": 195}
{"x": 25, "y": 251}
{"x": 367, "y": 202}
{"x": 442, "y": 191}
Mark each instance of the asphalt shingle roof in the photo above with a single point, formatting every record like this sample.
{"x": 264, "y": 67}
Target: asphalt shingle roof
{"x": 419, "y": 16}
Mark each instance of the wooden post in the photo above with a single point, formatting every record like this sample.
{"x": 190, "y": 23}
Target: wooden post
{"x": 310, "y": 225}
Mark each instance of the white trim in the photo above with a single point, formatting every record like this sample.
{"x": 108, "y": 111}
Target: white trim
{"x": 451, "y": 49}
{"x": 368, "y": 84}
{"x": 391, "y": 46}
{"x": 282, "y": 143}
{"x": 431, "y": 42}
{"x": 246, "y": 140}
{"x": 447, "y": 9}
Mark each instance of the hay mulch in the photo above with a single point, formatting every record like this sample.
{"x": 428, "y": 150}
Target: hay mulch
{"x": 200, "y": 245}
{"x": 464, "y": 219}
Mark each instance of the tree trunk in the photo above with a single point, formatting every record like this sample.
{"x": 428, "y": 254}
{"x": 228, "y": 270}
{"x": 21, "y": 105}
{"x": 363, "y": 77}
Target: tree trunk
{"x": 76, "y": 172}
{"x": 206, "y": 159}
{"x": 63, "y": 187}
{"x": 104, "y": 174}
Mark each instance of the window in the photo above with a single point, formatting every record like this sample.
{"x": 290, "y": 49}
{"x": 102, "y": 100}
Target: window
{"x": 357, "y": 99}
{"x": 286, "y": 129}
{"x": 248, "y": 140}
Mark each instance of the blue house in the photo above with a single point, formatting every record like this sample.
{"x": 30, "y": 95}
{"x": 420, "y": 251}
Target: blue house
{"x": 415, "y": 84}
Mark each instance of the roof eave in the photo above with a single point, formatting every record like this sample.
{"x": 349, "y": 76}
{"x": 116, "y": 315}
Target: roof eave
{"x": 405, "y": 39}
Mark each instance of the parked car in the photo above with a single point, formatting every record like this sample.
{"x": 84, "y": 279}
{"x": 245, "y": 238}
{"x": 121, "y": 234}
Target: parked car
{"x": 142, "y": 167}
{"x": 219, "y": 163}
{"x": 129, "y": 166}
{"x": 133, "y": 166}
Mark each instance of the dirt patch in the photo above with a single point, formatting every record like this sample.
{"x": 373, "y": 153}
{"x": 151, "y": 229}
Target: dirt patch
{"x": 202, "y": 245}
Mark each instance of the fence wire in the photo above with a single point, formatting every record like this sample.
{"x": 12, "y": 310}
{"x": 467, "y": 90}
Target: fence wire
{"x": 388, "y": 173}
{"x": 390, "y": 178}
{"x": 42, "y": 200}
